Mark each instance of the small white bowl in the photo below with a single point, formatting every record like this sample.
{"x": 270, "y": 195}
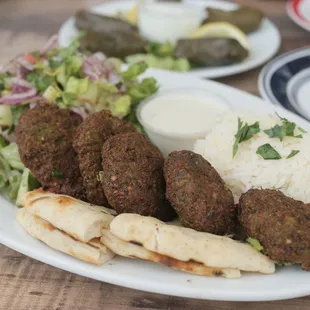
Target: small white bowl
{"x": 161, "y": 22}
{"x": 176, "y": 141}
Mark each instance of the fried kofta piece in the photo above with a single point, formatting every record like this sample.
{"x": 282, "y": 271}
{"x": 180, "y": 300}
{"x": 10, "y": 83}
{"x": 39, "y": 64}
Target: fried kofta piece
{"x": 198, "y": 194}
{"x": 44, "y": 138}
{"x": 133, "y": 178}
{"x": 88, "y": 141}
{"x": 280, "y": 223}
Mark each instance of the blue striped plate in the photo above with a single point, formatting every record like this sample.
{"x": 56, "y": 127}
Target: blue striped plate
{"x": 285, "y": 81}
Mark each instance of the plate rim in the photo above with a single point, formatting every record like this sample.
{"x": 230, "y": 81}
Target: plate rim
{"x": 293, "y": 86}
{"x": 224, "y": 71}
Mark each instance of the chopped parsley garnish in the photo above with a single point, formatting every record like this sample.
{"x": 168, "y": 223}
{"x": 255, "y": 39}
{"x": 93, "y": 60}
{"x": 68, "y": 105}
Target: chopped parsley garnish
{"x": 245, "y": 132}
{"x": 287, "y": 129}
{"x": 57, "y": 174}
{"x": 292, "y": 154}
{"x": 268, "y": 152}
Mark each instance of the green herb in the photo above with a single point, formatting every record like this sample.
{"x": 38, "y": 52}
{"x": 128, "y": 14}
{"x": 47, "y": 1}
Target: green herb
{"x": 57, "y": 174}
{"x": 245, "y": 132}
{"x": 255, "y": 244}
{"x": 41, "y": 82}
{"x": 159, "y": 49}
{"x": 287, "y": 129}
{"x": 268, "y": 152}
{"x": 36, "y": 54}
{"x": 302, "y": 130}
{"x": 292, "y": 154}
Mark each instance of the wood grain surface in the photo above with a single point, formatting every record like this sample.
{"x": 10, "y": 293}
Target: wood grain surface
{"x": 26, "y": 284}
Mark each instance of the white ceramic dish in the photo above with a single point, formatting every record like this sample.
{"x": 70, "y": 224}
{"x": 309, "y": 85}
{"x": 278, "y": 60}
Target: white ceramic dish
{"x": 168, "y": 141}
{"x": 264, "y": 43}
{"x": 286, "y": 283}
{"x": 299, "y": 12}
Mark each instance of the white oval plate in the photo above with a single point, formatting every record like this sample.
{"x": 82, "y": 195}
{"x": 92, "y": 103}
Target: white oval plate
{"x": 286, "y": 283}
{"x": 264, "y": 43}
{"x": 299, "y": 12}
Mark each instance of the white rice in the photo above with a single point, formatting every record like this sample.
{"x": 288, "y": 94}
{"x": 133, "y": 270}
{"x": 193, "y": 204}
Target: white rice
{"x": 248, "y": 169}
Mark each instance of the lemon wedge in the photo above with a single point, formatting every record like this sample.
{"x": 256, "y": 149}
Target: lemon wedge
{"x": 222, "y": 30}
{"x": 132, "y": 15}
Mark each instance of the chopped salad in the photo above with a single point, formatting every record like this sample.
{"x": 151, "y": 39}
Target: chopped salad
{"x": 70, "y": 78}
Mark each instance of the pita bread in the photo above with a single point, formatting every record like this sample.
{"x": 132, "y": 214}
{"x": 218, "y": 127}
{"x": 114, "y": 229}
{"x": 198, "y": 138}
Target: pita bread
{"x": 131, "y": 250}
{"x": 77, "y": 218}
{"x": 186, "y": 244}
{"x": 94, "y": 252}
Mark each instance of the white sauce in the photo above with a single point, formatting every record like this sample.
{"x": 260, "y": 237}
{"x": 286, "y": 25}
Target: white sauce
{"x": 163, "y": 22}
{"x": 183, "y": 113}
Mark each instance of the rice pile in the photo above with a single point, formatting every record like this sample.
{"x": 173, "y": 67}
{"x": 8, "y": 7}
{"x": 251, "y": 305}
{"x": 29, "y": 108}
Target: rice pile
{"x": 248, "y": 169}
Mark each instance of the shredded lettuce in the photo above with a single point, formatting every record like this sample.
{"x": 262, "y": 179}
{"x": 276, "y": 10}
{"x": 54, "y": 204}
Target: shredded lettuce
{"x": 160, "y": 49}
{"x": 52, "y": 93}
{"x": 6, "y": 116}
{"x": 121, "y": 106}
{"x": 166, "y": 63}
{"x": 135, "y": 70}
{"x": 27, "y": 183}
{"x": 76, "y": 86}
{"x": 11, "y": 155}
{"x": 143, "y": 90}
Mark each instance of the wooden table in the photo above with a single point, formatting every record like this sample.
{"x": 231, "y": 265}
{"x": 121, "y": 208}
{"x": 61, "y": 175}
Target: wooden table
{"x": 26, "y": 284}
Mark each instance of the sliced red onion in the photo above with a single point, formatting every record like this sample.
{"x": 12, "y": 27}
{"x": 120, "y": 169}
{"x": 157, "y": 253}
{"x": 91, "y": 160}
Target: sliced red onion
{"x": 18, "y": 98}
{"x": 20, "y": 73}
{"x": 90, "y": 71}
{"x": 51, "y": 43}
{"x": 24, "y": 63}
{"x": 20, "y": 82}
{"x": 17, "y": 89}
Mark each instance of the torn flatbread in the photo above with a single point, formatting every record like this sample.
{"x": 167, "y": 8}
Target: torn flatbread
{"x": 128, "y": 249}
{"x": 94, "y": 252}
{"x": 186, "y": 244}
{"x": 77, "y": 218}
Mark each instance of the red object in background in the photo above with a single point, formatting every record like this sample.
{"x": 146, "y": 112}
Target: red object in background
{"x": 296, "y": 9}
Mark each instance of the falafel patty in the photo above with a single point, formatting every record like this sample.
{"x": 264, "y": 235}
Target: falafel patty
{"x": 88, "y": 141}
{"x": 44, "y": 138}
{"x": 133, "y": 178}
{"x": 280, "y": 223}
{"x": 198, "y": 194}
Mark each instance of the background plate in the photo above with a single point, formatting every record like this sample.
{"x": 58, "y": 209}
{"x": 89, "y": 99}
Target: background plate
{"x": 264, "y": 43}
{"x": 275, "y": 79}
{"x": 299, "y": 12}
{"x": 286, "y": 283}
